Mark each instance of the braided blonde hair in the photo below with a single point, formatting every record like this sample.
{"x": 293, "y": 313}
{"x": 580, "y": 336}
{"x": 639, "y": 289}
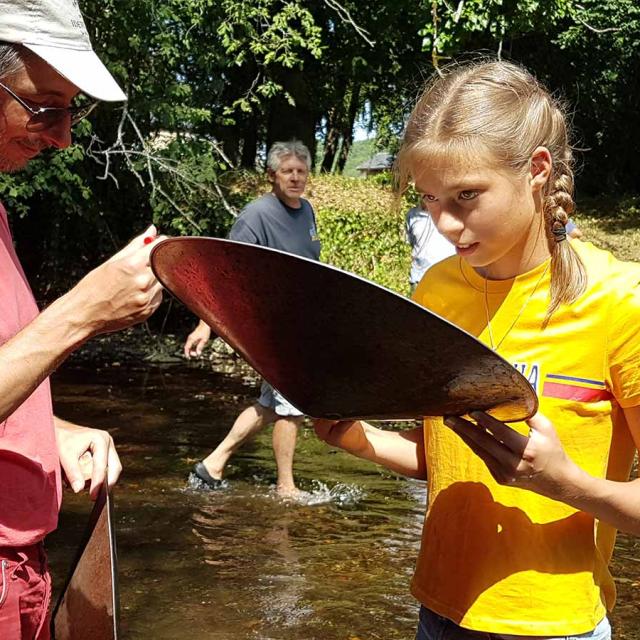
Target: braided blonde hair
{"x": 499, "y": 110}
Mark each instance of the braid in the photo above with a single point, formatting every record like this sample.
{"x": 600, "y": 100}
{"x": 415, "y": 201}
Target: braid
{"x": 568, "y": 275}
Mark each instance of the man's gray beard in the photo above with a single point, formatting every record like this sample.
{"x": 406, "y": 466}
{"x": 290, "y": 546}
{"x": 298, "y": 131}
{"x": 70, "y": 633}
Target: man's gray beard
{"x": 6, "y": 166}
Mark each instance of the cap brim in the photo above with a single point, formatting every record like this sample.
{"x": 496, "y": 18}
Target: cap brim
{"x": 84, "y": 69}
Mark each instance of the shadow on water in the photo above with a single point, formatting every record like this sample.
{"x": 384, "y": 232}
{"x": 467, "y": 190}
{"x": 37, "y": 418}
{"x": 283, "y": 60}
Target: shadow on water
{"x": 239, "y": 563}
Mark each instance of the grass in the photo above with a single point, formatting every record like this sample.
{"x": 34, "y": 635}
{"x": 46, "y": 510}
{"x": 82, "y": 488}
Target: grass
{"x": 612, "y": 224}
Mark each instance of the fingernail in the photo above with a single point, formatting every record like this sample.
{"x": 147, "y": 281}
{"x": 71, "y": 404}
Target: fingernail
{"x": 148, "y": 240}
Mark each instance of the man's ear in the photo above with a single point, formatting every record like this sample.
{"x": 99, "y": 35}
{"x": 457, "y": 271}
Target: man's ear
{"x": 540, "y": 166}
{"x": 271, "y": 175}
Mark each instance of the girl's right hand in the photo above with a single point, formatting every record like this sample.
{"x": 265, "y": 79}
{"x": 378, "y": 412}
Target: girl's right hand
{"x": 345, "y": 434}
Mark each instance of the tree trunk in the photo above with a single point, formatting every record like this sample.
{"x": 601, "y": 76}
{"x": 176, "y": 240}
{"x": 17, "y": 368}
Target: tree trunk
{"x": 347, "y": 131}
{"x": 330, "y": 146}
{"x": 249, "y": 145}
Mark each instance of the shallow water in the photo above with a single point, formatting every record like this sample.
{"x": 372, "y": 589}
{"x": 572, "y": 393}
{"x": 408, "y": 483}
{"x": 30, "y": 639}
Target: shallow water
{"x": 239, "y": 563}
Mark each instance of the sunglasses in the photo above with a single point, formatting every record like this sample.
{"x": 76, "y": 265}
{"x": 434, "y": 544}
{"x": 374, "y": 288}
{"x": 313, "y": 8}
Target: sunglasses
{"x": 46, "y": 117}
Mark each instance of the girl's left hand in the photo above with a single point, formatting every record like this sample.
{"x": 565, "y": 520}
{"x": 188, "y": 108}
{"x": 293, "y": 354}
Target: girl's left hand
{"x": 536, "y": 462}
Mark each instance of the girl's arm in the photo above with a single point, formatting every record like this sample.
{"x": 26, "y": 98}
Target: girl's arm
{"x": 539, "y": 463}
{"x": 402, "y": 452}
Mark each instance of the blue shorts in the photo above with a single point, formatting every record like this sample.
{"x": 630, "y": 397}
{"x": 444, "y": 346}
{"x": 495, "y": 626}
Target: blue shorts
{"x": 272, "y": 399}
{"x": 431, "y": 626}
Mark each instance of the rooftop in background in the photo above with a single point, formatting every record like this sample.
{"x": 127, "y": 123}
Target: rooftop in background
{"x": 377, "y": 164}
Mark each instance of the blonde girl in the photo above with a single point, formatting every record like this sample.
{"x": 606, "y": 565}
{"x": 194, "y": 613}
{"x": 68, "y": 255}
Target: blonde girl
{"x": 521, "y": 519}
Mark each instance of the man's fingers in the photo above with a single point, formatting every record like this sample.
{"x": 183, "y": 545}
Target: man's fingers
{"x": 115, "y": 466}
{"x": 73, "y": 471}
{"x": 190, "y": 348}
{"x": 100, "y": 453}
{"x": 193, "y": 347}
{"x": 137, "y": 243}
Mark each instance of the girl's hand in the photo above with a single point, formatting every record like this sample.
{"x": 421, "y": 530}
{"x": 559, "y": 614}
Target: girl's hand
{"x": 536, "y": 462}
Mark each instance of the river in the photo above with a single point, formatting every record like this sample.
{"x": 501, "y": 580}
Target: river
{"x": 239, "y": 563}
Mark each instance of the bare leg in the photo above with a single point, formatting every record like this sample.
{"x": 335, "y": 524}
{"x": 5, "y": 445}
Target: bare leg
{"x": 247, "y": 424}
{"x": 285, "y": 431}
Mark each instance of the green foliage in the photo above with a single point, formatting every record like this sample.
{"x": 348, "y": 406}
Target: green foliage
{"x": 601, "y": 77}
{"x": 588, "y": 51}
{"x": 53, "y": 179}
{"x": 455, "y": 27}
{"x": 222, "y": 78}
{"x": 361, "y": 231}
{"x": 184, "y": 200}
{"x": 361, "y": 151}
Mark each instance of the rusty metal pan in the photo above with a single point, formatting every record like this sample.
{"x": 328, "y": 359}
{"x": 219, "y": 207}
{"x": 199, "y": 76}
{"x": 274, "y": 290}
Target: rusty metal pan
{"x": 334, "y": 344}
{"x": 88, "y": 606}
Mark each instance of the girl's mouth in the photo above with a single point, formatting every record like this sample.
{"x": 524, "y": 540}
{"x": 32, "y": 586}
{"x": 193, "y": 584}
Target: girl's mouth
{"x": 466, "y": 249}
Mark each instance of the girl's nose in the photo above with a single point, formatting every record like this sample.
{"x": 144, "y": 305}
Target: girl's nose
{"x": 447, "y": 222}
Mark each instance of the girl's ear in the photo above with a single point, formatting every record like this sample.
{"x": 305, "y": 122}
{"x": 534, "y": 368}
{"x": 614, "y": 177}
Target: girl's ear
{"x": 540, "y": 167}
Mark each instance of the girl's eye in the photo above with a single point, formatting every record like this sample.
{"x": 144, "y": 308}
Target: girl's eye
{"x": 468, "y": 195}
{"x": 429, "y": 198}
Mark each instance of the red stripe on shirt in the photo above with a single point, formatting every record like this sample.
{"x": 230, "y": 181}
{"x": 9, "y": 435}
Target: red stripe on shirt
{"x": 573, "y": 392}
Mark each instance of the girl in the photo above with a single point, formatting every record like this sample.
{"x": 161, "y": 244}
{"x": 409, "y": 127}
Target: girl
{"x": 521, "y": 519}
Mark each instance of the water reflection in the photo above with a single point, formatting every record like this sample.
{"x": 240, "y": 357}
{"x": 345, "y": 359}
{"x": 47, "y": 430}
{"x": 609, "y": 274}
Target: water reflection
{"x": 239, "y": 563}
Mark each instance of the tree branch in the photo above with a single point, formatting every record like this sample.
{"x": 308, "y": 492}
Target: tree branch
{"x": 154, "y": 162}
{"x": 588, "y": 26}
{"x": 345, "y": 16}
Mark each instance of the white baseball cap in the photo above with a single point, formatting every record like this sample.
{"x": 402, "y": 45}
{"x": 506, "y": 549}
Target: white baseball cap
{"x": 55, "y": 31}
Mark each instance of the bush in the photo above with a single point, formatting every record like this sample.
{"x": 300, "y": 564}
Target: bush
{"x": 360, "y": 230}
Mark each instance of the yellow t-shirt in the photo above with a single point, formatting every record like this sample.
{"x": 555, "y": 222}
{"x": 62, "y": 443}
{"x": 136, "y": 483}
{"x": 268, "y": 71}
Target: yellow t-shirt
{"x": 507, "y": 560}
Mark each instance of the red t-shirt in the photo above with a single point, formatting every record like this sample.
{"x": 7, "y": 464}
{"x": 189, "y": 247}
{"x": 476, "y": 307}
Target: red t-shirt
{"x": 30, "y": 487}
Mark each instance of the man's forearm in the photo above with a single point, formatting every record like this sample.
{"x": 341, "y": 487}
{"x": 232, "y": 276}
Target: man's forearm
{"x": 35, "y": 352}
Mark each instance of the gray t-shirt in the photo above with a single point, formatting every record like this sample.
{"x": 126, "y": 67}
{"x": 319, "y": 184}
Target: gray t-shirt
{"x": 269, "y": 222}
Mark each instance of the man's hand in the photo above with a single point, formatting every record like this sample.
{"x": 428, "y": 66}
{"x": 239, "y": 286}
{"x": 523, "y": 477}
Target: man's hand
{"x": 86, "y": 454}
{"x": 120, "y": 292}
{"x": 197, "y": 340}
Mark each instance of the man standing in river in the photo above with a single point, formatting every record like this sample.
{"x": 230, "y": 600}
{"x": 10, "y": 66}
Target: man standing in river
{"x": 46, "y": 62}
{"x": 282, "y": 220}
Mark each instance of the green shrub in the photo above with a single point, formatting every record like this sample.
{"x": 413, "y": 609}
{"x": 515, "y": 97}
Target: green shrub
{"x": 360, "y": 230}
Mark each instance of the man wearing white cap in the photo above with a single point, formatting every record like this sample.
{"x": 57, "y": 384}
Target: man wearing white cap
{"x": 46, "y": 60}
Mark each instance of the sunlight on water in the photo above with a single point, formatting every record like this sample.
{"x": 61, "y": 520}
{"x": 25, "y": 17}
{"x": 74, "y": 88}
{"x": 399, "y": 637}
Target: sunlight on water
{"x": 241, "y": 563}
{"x": 194, "y": 483}
{"x": 341, "y": 494}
